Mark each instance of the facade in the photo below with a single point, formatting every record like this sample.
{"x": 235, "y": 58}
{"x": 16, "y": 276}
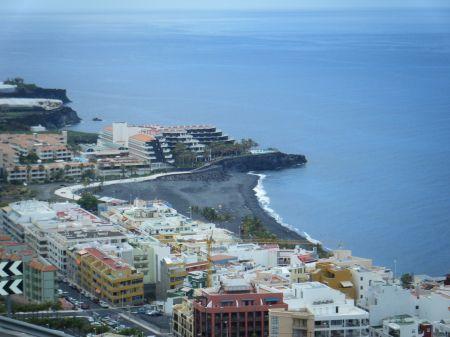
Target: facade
{"x": 320, "y": 311}
{"x": 39, "y": 280}
{"x": 173, "y": 272}
{"x": 155, "y": 143}
{"x": 39, "y": 276}
{"x": 60, "y": 241}
{"x": 53, "y": 158}
{"x": 403, "y": 326}
{"x": 234, "y": 309}
{"x": 183, "y": 319}
{"x": 109, "y": 278}
{"x": 336, "y": 277}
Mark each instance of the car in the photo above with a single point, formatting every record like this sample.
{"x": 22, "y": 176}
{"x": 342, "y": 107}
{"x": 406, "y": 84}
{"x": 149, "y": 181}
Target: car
{"x": 85, "y": 306}
{"x": 153, "y": 313}
{"x": 104, "y": 304}
{"x": 90, "y": 319}
{"x": 141, "y": 310}
{"x": 95, "y": 300}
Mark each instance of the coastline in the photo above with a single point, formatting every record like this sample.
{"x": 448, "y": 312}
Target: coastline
{"x": 231, "y": 192}
{"x": 264, "y": 202}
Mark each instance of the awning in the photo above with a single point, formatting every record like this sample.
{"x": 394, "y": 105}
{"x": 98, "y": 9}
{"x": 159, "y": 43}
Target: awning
{"x": 346, "y": 284}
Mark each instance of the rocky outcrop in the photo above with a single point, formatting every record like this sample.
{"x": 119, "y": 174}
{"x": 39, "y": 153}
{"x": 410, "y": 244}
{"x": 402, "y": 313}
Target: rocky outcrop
{"x": 218, "y": 170}
{"x": 54, "y": 119}
{"x": 38, "y": 92}
{"x": 261, "y": 162}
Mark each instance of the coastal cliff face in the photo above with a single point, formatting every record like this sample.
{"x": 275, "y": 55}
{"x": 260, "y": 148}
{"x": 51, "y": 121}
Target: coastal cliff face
{"x": 261, "y": 162}
{"x": 54, "y": 119}
{"x": 218, "y": 170}
{"x": 38, "y": 92}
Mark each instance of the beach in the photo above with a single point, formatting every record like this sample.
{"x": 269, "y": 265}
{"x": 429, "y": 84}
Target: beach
{"x": 231, "y": 192}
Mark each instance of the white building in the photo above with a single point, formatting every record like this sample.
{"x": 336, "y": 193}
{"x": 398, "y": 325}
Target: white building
{"x": 332, "y": 314}
{"x": 390, "y": 300}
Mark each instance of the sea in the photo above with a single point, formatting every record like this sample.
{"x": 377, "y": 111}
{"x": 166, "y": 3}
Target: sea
{"x": 364, "y": 94}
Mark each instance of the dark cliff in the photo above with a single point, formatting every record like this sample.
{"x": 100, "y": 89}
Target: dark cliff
{"x": 261, "y": 162}
{"x": 217, "y": 171}
{"x": 54, "y": 119}
{"x": 37, "y": 92}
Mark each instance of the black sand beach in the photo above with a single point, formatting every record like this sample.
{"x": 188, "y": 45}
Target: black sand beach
{"x": 232, "y": 193}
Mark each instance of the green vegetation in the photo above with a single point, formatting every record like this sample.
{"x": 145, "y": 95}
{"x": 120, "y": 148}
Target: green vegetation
{"x": 130, "y": 332}
{"x": 20, "y": 83}
{"x": 88, "y": 201}
{"x": 407, "y": 280}
{"x": 75, "y": 138}
{"x": 253, "y": 228}
{"x": 30, "y": 158}
{"x": 211, "y": 214}
{"x": 12, "y": 192}
{"x": 68, "y": 323}
{"x": 31, "y": 307}
{"x": 184, "y": 157}
{"x": 222, "y": 149}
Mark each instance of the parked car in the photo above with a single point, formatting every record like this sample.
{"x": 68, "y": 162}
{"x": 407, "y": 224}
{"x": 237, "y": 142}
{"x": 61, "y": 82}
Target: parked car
{"x": 85, "y": 306}
{"x": 104, "y": 304}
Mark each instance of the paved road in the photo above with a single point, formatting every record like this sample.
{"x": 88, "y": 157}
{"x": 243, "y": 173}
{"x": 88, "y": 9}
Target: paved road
{"x": 125, "y": 317}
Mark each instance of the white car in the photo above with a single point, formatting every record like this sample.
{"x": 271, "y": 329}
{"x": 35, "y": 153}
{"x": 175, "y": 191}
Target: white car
{"x": 104, "y": 304}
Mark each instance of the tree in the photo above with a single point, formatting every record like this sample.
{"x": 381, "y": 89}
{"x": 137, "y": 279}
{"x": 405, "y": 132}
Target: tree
{"x": 183, "y": 156}
{"x": 88, "y": 201}
{"x": 30, "y": 158}
{"x": 407, "y": 280}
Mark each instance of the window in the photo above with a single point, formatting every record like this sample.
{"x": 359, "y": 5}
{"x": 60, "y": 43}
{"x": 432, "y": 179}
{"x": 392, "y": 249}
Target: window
{"x": 417, "y": 307}
{"x": 361, "y": 278}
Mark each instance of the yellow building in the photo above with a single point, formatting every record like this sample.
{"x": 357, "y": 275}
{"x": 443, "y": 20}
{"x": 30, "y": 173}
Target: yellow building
{"x": 183, "y": 319}
{"x": 335, "y": 277}
{"x": 109, "y": 278}
{"x": 284, "y": 323}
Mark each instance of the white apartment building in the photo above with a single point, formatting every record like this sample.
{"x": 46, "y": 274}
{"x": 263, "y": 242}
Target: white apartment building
{"x": 315, "y": 309}
{"x": 364, "y": 278}
{"x": 60, "y": 241}
{"x": 390, "y": 300}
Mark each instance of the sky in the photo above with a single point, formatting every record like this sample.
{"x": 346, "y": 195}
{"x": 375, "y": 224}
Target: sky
{"x": 30, "y": 6}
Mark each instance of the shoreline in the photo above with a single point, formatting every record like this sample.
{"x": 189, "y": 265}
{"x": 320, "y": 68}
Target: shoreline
{"x": 231, "y": 192}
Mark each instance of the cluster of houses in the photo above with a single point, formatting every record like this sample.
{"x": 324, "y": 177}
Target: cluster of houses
{"x": 211, "y": 282}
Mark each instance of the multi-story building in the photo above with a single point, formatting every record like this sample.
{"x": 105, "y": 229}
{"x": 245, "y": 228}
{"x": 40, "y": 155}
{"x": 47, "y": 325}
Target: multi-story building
{"x": 60, "y": 241}
{"x": 155, "y": 143}
{"x": 53, "y": 159}
{"x": 183, "y": 319}
{"x": 39, "y": 276}
{"x": 109, "y": 278}
{"x": 236, "y": 308}
{"x": 39, "y": 280}
{"x": 403, "y": 326}
{"x": 315, "y": 309}
{"x": 148, "y": 254}
{"x": 173, "y": 273}
{"x": 339, "y": 278}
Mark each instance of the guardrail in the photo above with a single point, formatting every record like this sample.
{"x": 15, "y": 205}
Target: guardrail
{"x": 31, "y": 329}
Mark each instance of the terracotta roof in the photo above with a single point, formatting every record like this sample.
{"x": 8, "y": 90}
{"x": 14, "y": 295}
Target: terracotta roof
{"x": 142, "y": 138}
{"x": 35, "y": 264}
{"x": 114, "y": 263}
{"x": 221, "y": 257}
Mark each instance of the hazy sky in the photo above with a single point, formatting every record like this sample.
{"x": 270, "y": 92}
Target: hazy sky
{"x": 24, "y": 6}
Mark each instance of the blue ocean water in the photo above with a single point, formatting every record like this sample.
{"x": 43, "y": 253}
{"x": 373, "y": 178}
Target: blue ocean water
{"x": 364, "y": 94}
